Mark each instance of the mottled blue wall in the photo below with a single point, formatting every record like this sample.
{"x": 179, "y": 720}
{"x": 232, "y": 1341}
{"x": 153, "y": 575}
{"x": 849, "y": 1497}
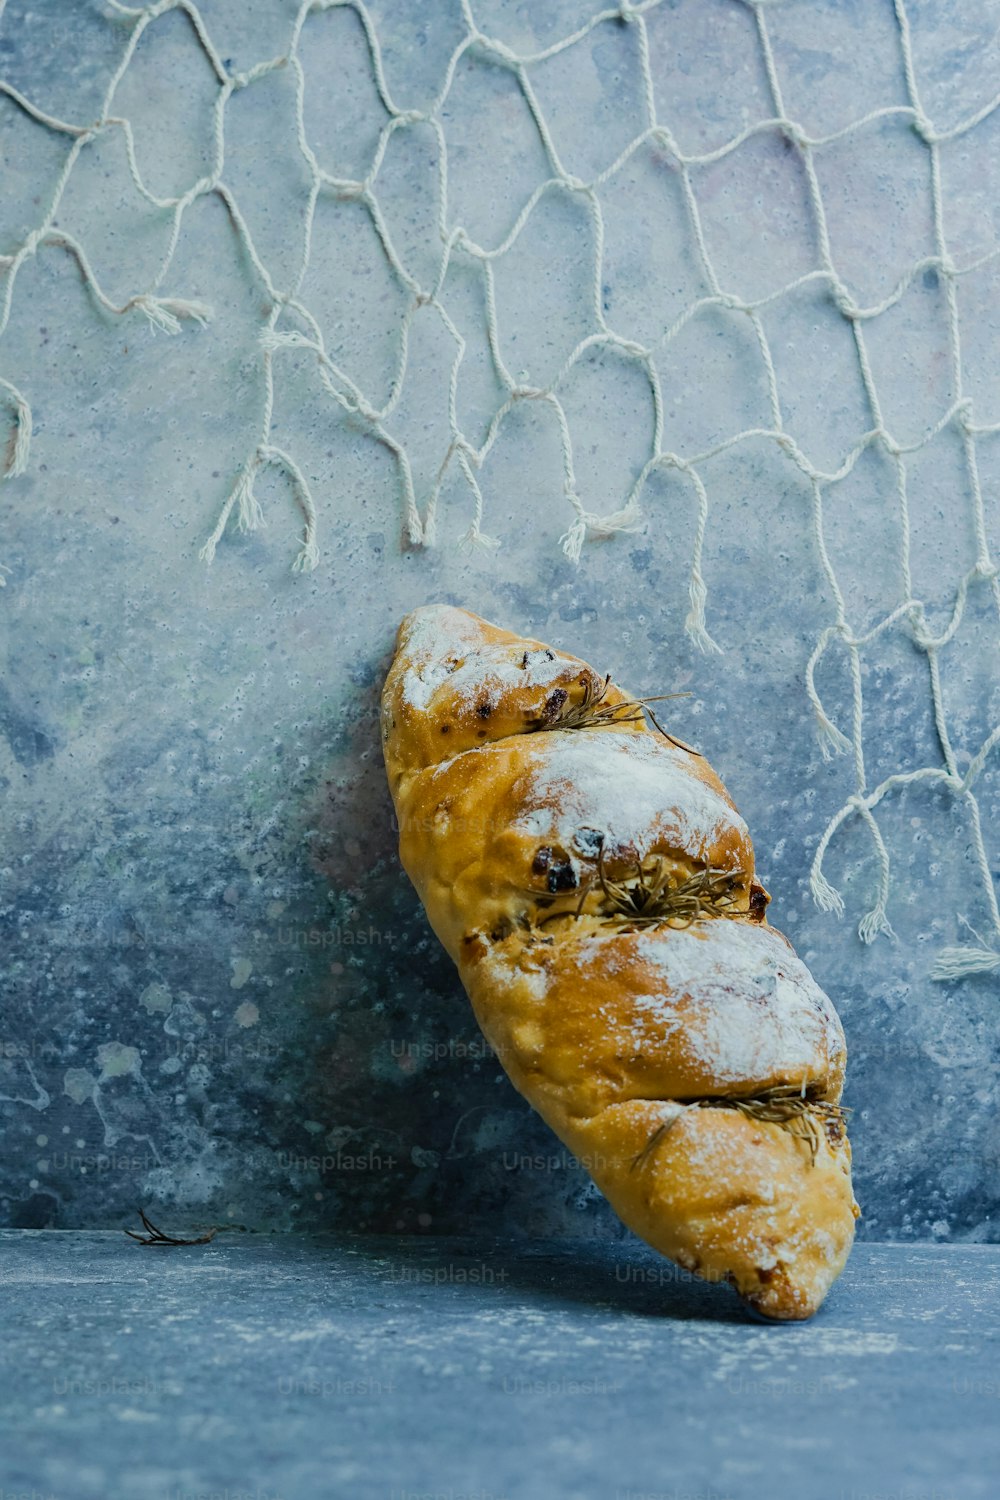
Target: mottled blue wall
{"x": 220, "y": 998}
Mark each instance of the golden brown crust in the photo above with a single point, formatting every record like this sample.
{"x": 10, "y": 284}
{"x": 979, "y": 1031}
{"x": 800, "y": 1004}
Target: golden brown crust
{"x": 554, "y": 838}
{"x": 457, "y": 682}
{"x": 512, "y": 826}
{"x": 727, "y": 1198}
{"x": 721, "y": 1007}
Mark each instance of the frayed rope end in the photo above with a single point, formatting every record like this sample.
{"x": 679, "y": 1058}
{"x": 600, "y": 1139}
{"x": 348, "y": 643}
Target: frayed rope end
{"x": 20, "y": 440}
{"x": 475, "y": 540}
{"x": 618, "y": 523}
{"x": 826, "y": 897}
{"x": 250, "y": 517}
{"x": 699, "y": 635}
{"x": 694, "y": 626}
{"x": 873, "y": 923}
{"x": 307, "y": 559}
{"x": 959, "y": 963}
{"x": 166, "y": 313}
{"x": 831, "y": 741}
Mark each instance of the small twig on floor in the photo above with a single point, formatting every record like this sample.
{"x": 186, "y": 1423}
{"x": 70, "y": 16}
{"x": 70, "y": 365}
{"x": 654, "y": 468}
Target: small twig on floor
{"x": 154, "y": 1236}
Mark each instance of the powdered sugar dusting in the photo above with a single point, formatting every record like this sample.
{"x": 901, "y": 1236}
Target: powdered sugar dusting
{"x": 629, "y": 787}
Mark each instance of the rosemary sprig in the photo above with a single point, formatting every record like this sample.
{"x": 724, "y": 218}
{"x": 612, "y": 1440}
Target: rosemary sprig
{"x": 154, "y": 1236}
{"x": 593, "y": 712}
{"x": 649, "y": 897}
{"x": 784, "y": 1105}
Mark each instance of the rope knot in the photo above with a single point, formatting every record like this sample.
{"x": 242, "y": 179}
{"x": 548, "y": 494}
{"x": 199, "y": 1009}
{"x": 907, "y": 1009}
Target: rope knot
{"x": 845, "y": 303}
{"x": 500, "y": 49}
{"x": 924, "y": 128}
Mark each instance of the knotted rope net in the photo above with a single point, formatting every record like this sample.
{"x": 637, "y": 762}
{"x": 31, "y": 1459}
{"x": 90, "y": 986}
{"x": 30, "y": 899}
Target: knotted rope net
{"x": 288, "y": 324}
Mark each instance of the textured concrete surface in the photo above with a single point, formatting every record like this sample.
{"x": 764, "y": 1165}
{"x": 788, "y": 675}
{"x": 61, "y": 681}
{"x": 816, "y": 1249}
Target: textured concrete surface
{"x": 287, "y": 1368}
{"x": 218, "y": 991}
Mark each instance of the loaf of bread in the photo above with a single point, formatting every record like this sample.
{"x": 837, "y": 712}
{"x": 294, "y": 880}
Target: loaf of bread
{"x": 594, "y": 883}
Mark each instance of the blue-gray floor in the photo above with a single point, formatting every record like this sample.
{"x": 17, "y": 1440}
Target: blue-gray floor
{"x": 402, "y": 1367}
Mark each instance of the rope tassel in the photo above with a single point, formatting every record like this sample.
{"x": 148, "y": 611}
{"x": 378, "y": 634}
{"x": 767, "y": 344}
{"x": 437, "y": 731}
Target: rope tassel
{"x": 959, "y": 963}
{"x": 694, "y": 625}
{"x": 20, "y": 437}
{"x": 826, "y": 896}
{"x": 873, "y": 923}
{"x": 475, "y": 540}
{"x": 250, "y": 516}
{"x": 831, "y": 740}
{"x": 166, "y": 313}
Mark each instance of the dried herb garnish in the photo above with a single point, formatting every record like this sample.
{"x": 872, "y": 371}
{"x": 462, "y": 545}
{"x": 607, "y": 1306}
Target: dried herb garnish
{"x": 785, "y": 1105}
{"x": 154, "y": 1236}
{"x": 649, "y": 897}
{"x": 593, "y": 712}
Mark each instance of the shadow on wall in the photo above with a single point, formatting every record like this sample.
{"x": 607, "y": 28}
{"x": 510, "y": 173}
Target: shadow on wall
{"x": 427, "y": 1133}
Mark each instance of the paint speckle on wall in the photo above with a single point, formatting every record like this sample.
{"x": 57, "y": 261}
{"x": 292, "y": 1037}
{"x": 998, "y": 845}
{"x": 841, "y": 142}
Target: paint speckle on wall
{"x": 116, "y": 1059}
{"x": 156, "y": 998}
{"x": 79, "y": 1085}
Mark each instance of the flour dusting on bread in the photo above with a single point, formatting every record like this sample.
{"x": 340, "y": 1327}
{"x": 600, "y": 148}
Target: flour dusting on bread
{"x": 633, "y": 789}
{"x": 674, "y": 1041}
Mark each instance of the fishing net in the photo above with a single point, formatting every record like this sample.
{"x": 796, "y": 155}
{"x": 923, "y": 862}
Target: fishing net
{"x": 661, "y": 141}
